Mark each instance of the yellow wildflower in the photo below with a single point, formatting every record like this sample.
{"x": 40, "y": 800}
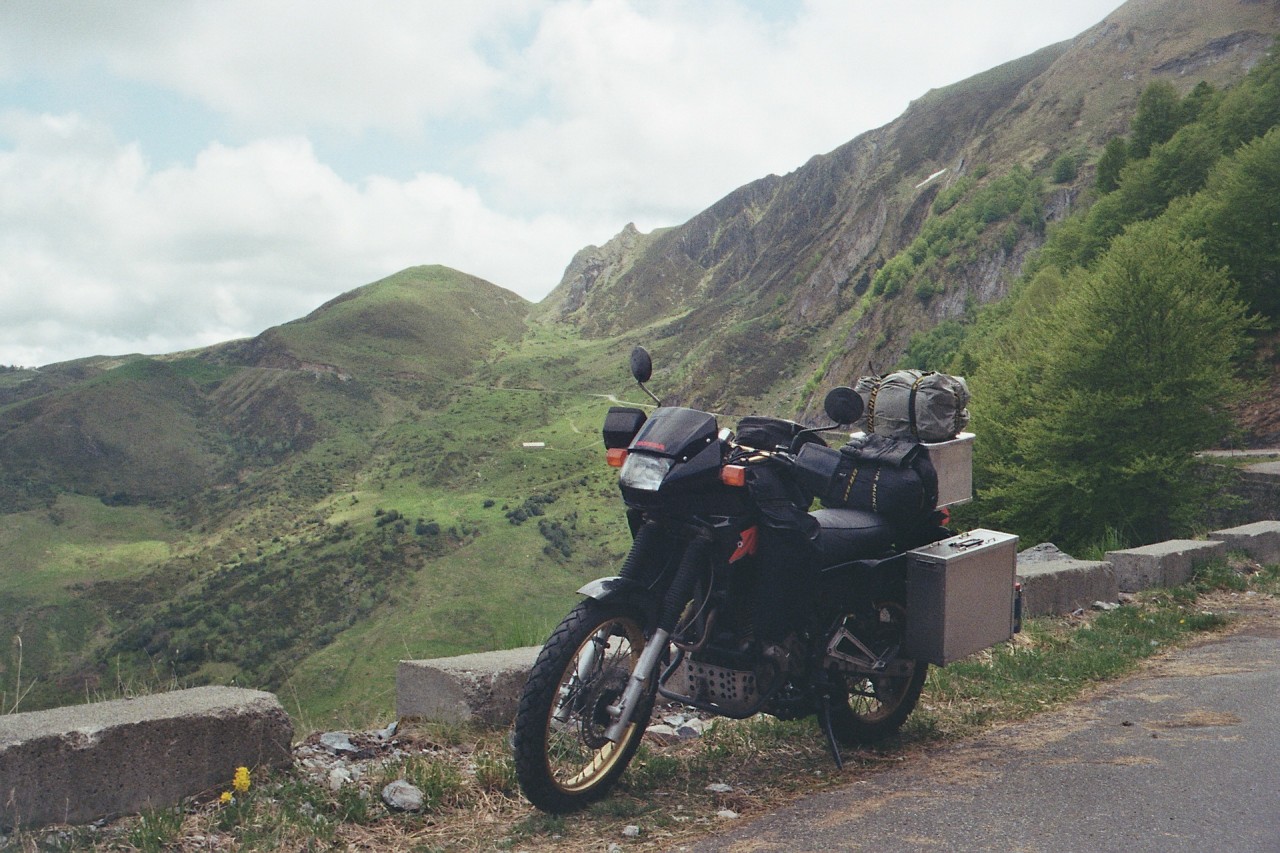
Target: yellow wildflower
{"x": 226, "y": 798}
{"x": 241, "y": 781}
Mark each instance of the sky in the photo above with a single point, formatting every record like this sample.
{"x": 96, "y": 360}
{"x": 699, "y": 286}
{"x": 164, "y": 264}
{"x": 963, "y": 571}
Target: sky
{"x": 177, "y": 173}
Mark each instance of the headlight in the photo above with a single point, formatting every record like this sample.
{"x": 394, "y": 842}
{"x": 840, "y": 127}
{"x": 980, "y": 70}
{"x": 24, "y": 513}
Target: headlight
{"x": 642, "y": 471}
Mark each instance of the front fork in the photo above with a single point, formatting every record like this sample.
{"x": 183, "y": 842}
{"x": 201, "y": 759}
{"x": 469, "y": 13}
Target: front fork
{"x": 642, "y": 676}
{"x": 643, "y": 680}
{"x": 586, "y": 663}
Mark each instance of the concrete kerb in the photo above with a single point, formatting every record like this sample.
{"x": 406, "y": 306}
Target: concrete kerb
{"x": 483, "y": 687}
{"x": 1164, "y": 563}
{"x": 79, "y": 763}
{"x": 1260, "y": 540}
{"x": 1057, "y": 583}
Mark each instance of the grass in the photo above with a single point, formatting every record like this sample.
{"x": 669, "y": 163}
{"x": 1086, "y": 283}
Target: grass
{"x": 470, "y": 792}
{"x": 78, "y": 540}
{"x": 90, "y": 587}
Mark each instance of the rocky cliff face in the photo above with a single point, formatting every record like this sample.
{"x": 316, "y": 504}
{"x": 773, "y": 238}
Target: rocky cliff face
{"x": 778, "y": 272}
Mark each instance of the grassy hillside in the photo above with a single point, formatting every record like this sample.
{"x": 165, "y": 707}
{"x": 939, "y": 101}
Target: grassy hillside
{"x": 237, "y": 454}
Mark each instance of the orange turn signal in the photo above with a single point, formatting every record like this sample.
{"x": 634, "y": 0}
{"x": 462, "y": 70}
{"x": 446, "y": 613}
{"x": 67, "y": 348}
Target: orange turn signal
{"x": 616, "y": 456}
{"x": 733, "y": 475}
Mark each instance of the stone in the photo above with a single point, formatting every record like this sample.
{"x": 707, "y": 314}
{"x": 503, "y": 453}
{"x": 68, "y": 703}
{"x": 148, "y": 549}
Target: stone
{"x": 1260, "y": 540}
{"x": 338, "y": 777}
{"x": 662, "y": 733}
{"x": 1164, "y": 563}
{"x": 337, "y": 742}
{"x": 401, "y": 796}
{"x": 80, "y": 763}
{"x": 691, "y": 729}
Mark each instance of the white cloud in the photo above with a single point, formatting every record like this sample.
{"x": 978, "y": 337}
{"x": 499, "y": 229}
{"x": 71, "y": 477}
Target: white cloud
{"x": 100, "y": 253}
{"x": 656, "y": 110}
{"x": 290, "y": 63}
{"x": 528, "y": 129}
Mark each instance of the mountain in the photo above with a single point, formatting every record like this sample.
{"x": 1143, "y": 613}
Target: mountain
{"x": 772, "y": 277}
{"x": 140, "y": 428}
{"x": 413, "y": 469}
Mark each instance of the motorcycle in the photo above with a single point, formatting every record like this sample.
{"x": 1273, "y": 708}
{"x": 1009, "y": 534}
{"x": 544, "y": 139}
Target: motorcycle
{"x": 680, "y": 619}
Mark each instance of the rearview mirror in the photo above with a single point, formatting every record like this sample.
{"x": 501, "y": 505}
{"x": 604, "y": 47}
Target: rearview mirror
{"x": 843, "y": 405}
{"x": 641, "y": 364}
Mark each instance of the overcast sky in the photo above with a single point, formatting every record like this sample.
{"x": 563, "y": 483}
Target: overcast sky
{"x": 174, "y": 174}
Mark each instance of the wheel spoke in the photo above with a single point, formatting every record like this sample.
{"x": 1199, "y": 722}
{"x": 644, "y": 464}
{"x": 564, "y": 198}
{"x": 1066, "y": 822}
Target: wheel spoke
{"x": 565, "y": 760}
{"x": 874, "y": 706}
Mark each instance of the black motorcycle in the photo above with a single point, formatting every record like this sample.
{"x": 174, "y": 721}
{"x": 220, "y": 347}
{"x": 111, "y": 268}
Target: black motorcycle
{"x": 716, "y": 519}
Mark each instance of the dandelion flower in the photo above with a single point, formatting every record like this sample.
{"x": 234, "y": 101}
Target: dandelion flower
{"x": 241, "y": 781}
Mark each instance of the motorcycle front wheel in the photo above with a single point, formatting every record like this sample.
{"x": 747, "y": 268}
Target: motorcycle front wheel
{"x": 563, "y": 759}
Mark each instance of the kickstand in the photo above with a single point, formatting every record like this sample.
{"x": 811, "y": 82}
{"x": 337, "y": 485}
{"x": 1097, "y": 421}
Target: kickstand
{"x": 824, "y": 720}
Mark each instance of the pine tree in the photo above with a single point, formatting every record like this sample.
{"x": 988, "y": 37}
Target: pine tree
{"x": 1091, "y": 408}
{"x": 1114, "y": 156}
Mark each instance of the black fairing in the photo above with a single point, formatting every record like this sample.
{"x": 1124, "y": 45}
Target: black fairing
{"x": 676, "y": 432}
{"x": 692, "y": 487}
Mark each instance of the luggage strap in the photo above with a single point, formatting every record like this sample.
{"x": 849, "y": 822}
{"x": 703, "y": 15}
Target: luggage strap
{"x": 911, "y": 404}
{"x": 871, "y": 406}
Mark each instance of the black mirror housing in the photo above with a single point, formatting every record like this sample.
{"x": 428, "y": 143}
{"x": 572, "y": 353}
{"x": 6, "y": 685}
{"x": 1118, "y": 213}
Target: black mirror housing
{"x": 641, "y": 364}
{"x": 843, "y": 405}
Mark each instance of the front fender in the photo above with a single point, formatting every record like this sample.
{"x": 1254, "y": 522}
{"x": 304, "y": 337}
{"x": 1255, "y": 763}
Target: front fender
{"x": 622, "y": 589}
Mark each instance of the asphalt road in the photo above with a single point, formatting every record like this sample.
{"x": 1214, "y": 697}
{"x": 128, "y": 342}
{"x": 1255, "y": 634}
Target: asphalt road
{"x": 1184, "y": 756}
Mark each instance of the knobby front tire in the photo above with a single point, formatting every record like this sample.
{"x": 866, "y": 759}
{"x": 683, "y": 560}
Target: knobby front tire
{"x": 563, "y": 760}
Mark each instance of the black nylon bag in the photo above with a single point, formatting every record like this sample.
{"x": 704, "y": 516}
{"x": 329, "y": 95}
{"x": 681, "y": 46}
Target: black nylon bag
{"x": 764, "y": 433}
{"x": 883, "y": 475}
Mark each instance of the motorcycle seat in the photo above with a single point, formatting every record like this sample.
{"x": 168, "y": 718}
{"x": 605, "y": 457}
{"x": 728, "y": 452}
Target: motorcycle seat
{"x": 851, "y": 534}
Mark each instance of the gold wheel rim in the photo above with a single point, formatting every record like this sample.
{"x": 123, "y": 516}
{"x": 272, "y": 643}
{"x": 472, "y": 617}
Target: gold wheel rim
{"x": 573, "y": 765}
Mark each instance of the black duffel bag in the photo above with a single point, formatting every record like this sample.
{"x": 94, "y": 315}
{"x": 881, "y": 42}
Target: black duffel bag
{"x": 884, "y": 475}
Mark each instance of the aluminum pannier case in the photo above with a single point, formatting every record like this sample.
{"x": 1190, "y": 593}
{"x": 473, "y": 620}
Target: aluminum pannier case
{"x": 960, "y": 595}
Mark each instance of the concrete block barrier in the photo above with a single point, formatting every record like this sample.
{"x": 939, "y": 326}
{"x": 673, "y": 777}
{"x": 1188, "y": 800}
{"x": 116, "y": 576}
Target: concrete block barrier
{"x": 486, "y": 687}
{"x": 1056, "y": 583}
{"x": 483, "y": 687}
{"x": 1260, "y": 540}
{"x": 80, "y": 763}
{"x": 1163, "y": 564}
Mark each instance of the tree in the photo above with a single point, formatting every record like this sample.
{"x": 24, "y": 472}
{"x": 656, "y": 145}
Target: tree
{"x": 1065, "y": 169}
{"x": 1158, "y": 117}
{"x": 1092, "y": 406}
{"x": 1238, "y": 218}
{"x": 1252, "y": 108}
{"x": 1114, "y": 156}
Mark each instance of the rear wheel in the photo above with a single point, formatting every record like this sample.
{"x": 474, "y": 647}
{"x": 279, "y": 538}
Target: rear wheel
{"x": 563, "y": 759}
{"x": 870, "y": 707}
